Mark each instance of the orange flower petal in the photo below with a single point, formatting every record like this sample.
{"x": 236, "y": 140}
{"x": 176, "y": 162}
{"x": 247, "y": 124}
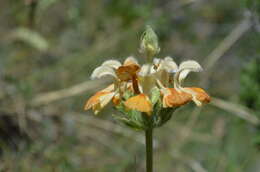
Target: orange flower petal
{"x": 125, "y": 73}
{"x": 201, "y": 95}
{"x": 94, "y": 100}
{"x": 100, "y": 99}
{"x": 140, "y": 103}
{"x": 174, "y": 98}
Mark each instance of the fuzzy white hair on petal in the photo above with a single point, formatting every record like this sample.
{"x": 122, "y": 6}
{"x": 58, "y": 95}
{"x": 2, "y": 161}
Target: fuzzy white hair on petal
{"x": 130, "y": 59}
{"x": 168, "y": 58}
{"x": 186, "y": 67}
{"x": 103, "y": 71}
{"x": 169, "y": 64}
{"x": 183, "y": 74}
{"x": 191, "y": 65}
{"x": 112, "y": 63}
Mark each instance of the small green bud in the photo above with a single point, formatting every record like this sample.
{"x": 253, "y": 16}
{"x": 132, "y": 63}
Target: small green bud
{"x": 149, "y": 43}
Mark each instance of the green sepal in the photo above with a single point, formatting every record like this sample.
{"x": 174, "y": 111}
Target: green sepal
{"x": 141, "y": 121}
{"x": 131, "y": 118}
{"x": 127, "y": 94}
{"x": 128, "y": 122}
{"x": 155, "y": 95}
{"x": 161, "y": 115}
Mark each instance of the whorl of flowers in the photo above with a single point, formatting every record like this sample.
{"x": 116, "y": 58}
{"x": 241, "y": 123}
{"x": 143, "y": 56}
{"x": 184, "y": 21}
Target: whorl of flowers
{"x": 146, "y": 95}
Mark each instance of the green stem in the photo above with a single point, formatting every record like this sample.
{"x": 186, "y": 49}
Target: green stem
{"x": 149, "y": 149}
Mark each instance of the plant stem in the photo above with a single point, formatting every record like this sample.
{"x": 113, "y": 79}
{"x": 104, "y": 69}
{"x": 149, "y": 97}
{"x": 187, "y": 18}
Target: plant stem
{"x": 149, "y": 149}
{"x": 31, "y": 16}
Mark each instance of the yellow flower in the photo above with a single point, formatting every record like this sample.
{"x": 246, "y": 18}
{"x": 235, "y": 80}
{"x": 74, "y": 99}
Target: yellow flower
{"x": 100, "y": 99}
{"x": 179, "y": 95}
{"x": 149, "y": 77}
{"x": 121, "y": 74}
{"x": 135, "y": 86}
{"x": 141, "y": 81}
{"x": 154, "y": 88}
{"x": 146, "y": 81}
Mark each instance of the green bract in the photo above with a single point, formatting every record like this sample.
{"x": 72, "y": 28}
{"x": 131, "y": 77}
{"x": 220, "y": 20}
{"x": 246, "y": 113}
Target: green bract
{"x": 141, "y": 121}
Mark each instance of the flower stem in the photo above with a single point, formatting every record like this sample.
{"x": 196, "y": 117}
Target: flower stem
{"x": 149, "y": 149}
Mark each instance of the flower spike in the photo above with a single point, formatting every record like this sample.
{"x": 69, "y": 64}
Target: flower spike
{"x": 154, "y": 88}
{"x": 146, "y": 95}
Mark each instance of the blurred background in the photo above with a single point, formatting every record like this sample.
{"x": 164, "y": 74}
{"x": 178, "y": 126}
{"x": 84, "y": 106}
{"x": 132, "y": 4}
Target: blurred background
{"x": 48, "y": 49}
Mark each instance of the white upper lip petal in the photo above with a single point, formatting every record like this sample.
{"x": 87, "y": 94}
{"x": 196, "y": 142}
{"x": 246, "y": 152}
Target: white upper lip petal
{"x": 112, "y": 63}
{"x": 103, "y": 71}
{"x": 130, "y": 59}
{"x": 165, "y": 64}
{"x": 186, "y": 67}
{"x": 106, "y": 68}
{"x": 168, "y": 64}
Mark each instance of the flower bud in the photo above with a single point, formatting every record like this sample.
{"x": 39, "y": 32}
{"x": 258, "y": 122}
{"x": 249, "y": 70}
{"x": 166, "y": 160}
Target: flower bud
{"x": 149, "y": 43}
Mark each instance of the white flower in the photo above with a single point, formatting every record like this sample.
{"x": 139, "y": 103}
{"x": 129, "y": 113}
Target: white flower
{"x": 164, "y": 69}
{"x": 184, "y": 69}
{"x": 121, "y": 73}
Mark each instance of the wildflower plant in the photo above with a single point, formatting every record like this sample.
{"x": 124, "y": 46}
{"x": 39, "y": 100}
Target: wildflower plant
{"x": 146, "y": 96}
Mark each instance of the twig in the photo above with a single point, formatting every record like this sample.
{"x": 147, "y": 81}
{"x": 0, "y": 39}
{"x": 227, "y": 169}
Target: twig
{"x": 194, "y": 136}
{"x": 224, "y": 46}
{"x": 227, "y": 43}
{"x": 108, "y": 126}
{"x": 236, "y": 109}
{"x": 196, "y": 166}
{"x": 32, "y": 11}
{"x": 187, "y": 129}
{"x": 46, "y": 98}
{"x": 192, "y": 163}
